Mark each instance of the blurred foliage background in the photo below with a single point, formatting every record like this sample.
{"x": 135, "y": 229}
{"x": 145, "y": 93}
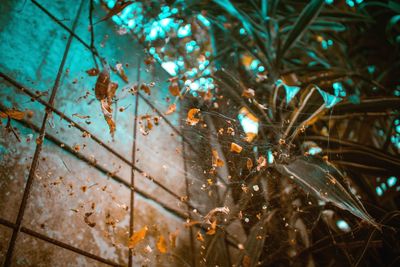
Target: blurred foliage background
{"x": 308, "y": 93}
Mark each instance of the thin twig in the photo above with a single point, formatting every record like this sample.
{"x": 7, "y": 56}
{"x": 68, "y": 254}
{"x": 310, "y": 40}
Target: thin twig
{"x": 92, "y": 47}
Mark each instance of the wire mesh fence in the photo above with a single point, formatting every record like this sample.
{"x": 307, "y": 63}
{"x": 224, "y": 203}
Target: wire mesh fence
{"x": 65, "y": 174}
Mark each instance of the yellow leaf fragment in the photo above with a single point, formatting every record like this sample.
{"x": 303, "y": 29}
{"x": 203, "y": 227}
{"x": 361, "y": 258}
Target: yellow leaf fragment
{"x": 250, "y": 137}
{"x": 246, "y": 60}
{"x": 137, "y": 237}
{"x": 171, "y": 109}
{"x": 216, "y": 161}
{"x": 252, "y": 120}
{"x": 199, "y": 237}
{"x": 236, "y": 148}
{"x": 213, "y": 228}
{"x": 191, "y": 119}
{"x": 161, "y": 244}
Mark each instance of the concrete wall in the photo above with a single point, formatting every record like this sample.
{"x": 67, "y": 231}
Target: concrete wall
{"x": 65, "y": 187}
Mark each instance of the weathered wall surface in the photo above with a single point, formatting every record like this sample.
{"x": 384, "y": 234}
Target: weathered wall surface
{"x": 77, "y": 175}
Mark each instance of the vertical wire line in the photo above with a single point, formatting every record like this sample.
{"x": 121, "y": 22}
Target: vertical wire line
{"x": 38, "y": 148}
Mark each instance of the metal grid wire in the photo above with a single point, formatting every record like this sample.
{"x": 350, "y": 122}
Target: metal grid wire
{"x": 48, "y": 109}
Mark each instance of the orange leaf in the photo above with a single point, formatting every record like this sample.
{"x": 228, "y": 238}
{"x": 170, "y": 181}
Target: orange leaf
{"x": 145, "y": 88}
{"x": 137, "y": 237}
{"x": 216, "y": 161}
{"x": 161, "y": 244}
{"x": 212, "y": 229}
{"x": 248, "y": 93}
{"x": 121, "y": 72}
{"x": 174, "y": 89}
{"x": 93, "y": 72}
{"x": 250, "y": 137}
{"x": 192, "y": 223}
{"x": 191, "y": 120}
{"x": 111, "y": 125}
{"x": 13, "y": 114}
{"x": 172, "y": 238}
{"x": 199, "y": 237}
{"x": 236, "y": 148}
{"x": 171, "y": 109}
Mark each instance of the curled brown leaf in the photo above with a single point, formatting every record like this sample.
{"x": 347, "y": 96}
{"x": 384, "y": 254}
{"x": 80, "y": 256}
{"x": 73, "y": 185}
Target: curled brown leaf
{"x": 191, "y": 119}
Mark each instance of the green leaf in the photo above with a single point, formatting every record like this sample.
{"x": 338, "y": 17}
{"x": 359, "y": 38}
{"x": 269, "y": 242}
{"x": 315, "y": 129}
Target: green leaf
{"x": 368, "y": 105}
{"x": 321, "y": 26}
{"x": 342, "y": 16}
{"x": 359, "y": 156}
{"x": 231, "y": 9}
{"x": 325, "y": 182}
{"x": 327, "y": 26}
{"x": 309, "y": 13}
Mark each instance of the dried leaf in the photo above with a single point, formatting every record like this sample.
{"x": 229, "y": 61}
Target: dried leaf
{"x": 174, "y": 89}
{"x": 172, "y": 238}
{"x": 248, "y": 93}
{"x": 86, "y": 219}
{"x": 199, "y": 237}
{"x": 118, "y": 7}
{"x": 246, "y": 261}
{"x": 216, "y": 161}
{"x": 93, "y": 72}
{"x": 161, "y": 244}
{"x": 171, "y": 109}
{"x": 137, "y": 237}
{"x": 111, "y": 90}
{"x": 13, "y": 114}
{"x": 191, "y": 120}
{"x": 249, "y": 164}
{"x": 80, "y": 116}
{"x": 250, "y": 137}
{"x": 145, "y": 127}
{"x": 121, "y": 72}
{"x": 211, "y": 214}
{"x": 192, "y": 223}
{"x": 325, "y": 182}
{"x": 236, "y": 148}
{"x": 261, "y": 163}
{"x": 213, "y": 228}
{"x": 102, "y": 84}
{"x": 145, "y": 88}
{"x": 149, "y": 60}
{"x": 105, "y": 91}
{"x": 111, "y": 125}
